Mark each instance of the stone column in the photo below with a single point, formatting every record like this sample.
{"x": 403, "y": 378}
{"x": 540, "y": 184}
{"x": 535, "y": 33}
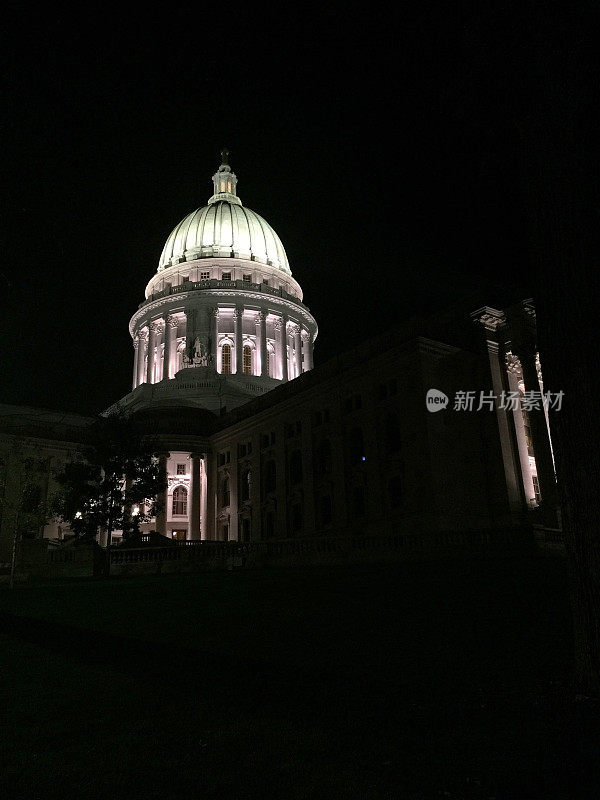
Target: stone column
{"x": 285, "y": 373}
{"x": 196, "y": 492}
{"x": 297, "y": 348}
{"x": 539, "y": 434}
{"x": 170, "y": 347}
{"x": 262, "y": 321}
{"x": 154, "y": 331}
{"x": 277, "y": 327}
{"x": 238, "y": 321}
{"x": 306, "y": 361}
{"x": 491, "y": 321}
{"x": 513, "y": 367}
{"x": 214, "y": 335}
{"x": 143, "y": 349}
{"x": 136, "y": 355}
{"x": 211, "y": 482}
{"x": 161, "y": 516}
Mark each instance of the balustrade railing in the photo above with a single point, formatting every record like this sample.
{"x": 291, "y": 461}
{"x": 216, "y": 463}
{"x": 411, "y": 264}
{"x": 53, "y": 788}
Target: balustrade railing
{"x": 204, "y": 550}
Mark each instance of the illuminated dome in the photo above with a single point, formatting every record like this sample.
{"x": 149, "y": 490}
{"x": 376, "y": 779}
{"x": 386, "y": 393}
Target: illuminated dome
{"x": 224, "y": 228}
{"x": 223, "y": 320}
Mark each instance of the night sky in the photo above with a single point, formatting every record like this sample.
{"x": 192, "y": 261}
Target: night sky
{"x": 385, "y": 153}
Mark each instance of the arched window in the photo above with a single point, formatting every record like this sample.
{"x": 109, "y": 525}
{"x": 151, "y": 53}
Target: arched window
{"x": 295, "y": 518}
{"x": 245, "y": 479}
{"x": 246, "y": 529}
{"x": 225, "y": 494}
{"x": 323, "y": 461}
{"x": 356, "y": 446}
{"x": 392, "y": 434}
{"x": 269, "y": 529}
{"x": 180, "y": 501}
{"x": 295, "y": 468}
{"x": 226, "y": 359}
{"x": 270, "y": 476}
{"x": 247, "y": 352}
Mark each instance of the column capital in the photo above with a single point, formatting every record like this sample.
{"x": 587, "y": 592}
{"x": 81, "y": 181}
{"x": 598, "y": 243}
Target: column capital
{"x": 171, "y": 321}
{"x": 490, "y": 318}
{"x": 294, "y": 328}
{"x": 277, "y": 323}
{"x": 238, "y": 312}
{"x": 157, "y": 326}
{"x": 136, "y": 341}
{"x": 305, "y": 335}
{"x": 142, "y": 335}
{"x": 215, "y": 311}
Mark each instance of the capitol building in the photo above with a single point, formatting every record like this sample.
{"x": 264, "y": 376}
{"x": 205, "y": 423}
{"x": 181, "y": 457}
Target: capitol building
{"x": 223, "y": 318}
{"x": 256, "y": 446}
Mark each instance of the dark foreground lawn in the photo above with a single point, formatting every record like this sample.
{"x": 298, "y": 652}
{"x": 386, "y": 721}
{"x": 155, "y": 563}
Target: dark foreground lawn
{"x": 425, "y": 680}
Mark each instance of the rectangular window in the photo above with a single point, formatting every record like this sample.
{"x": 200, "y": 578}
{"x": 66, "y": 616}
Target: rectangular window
{"x": 226, "y": 276}
{"x": 181, "y": 469}
{"x": 185, "y": 278}
{"x": 266, "y": 281}
{"x": 204, "y": 276}
{"x": 248, "y": 278}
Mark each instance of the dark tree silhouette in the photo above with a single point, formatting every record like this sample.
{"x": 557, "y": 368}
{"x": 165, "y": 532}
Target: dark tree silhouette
{"x": 119, "y": 471}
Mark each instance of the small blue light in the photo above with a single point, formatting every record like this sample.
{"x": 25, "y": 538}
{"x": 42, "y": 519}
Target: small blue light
{"x": 363, "y": 458}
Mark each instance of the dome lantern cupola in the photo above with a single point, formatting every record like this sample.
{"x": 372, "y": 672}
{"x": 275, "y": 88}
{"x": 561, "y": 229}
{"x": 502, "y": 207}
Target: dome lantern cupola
{"x": 224, "y": 228}
{"x": 225, "y": 182}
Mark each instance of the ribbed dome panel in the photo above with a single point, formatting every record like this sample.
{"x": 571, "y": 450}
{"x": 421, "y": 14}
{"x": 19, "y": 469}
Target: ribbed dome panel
{"x": 224, "y": 229}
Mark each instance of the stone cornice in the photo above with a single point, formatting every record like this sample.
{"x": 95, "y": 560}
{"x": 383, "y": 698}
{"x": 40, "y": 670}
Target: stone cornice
{"x": 179, "y": 302}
